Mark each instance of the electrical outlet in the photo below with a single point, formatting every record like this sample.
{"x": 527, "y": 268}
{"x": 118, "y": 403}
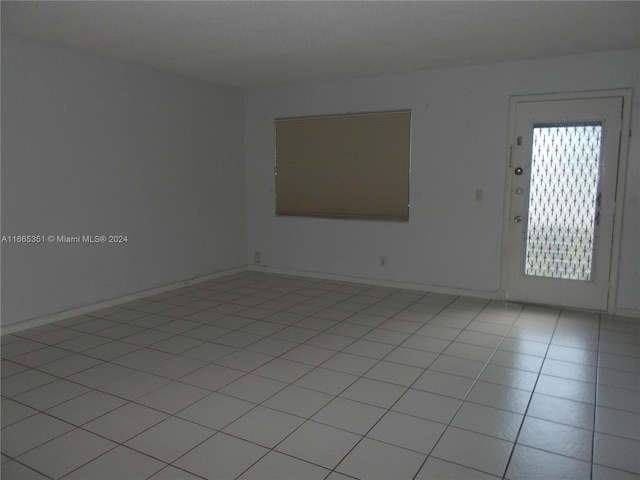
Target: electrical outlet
{"x": 257, "y": 257}
{"x": 383, "y": 261}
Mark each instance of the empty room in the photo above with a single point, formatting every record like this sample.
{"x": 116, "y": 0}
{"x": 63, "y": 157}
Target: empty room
{"x": 320, "y": 240}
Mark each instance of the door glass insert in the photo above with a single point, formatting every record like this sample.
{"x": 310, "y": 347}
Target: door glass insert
{"x": 563, "y": 200}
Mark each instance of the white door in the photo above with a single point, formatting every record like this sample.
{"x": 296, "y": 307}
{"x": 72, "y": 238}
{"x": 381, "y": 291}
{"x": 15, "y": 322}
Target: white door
{"x": 562, "y": 190}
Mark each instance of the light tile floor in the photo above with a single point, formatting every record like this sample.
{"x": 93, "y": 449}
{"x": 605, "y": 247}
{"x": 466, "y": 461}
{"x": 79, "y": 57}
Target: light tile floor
{"x": 259, "y": 376}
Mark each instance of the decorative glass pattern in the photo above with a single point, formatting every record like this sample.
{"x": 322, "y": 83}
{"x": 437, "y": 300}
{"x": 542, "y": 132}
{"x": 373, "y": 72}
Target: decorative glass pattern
{"x": 563, "y": 200}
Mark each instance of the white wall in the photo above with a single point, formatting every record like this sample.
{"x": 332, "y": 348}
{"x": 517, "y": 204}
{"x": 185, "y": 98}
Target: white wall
{"x": 92, "y": 146}
{"x": 460, "y": 121}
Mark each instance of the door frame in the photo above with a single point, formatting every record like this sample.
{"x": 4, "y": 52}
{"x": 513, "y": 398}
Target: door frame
{"x": 614, "y": 261}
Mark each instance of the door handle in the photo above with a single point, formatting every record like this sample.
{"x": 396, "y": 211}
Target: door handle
{"x": 517, "y": 219}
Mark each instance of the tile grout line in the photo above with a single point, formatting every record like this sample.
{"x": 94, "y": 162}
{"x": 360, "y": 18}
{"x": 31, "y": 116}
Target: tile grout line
{"x": 524, "y": 415}
{"x": 313, "y": 366}
{"x": 306, "y": 419}
{"x": 595, "y": 401}
{"x": 332, "y": 470}
{"x": 475, "y": 381}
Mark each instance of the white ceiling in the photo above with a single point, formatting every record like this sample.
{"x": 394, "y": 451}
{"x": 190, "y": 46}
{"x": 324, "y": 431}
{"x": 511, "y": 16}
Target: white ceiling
{"x": 252, "y": 44}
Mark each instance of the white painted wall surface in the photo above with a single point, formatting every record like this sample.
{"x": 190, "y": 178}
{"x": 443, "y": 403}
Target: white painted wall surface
{"x": 93, "y": 146}
{"x": 460, "y": 123}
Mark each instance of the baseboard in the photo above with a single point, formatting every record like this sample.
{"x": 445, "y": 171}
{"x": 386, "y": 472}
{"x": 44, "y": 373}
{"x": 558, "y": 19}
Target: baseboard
{"x": 627, "y": 312}
{"x": 379, "y": 283}
{"x": 499, "y": 295}
{"x": 36, "y": 322}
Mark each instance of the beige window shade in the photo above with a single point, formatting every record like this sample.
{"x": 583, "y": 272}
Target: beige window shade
{"x": 344, "y": 165}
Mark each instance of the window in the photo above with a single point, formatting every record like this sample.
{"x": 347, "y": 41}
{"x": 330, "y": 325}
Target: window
{"x": 354, "y": 166}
